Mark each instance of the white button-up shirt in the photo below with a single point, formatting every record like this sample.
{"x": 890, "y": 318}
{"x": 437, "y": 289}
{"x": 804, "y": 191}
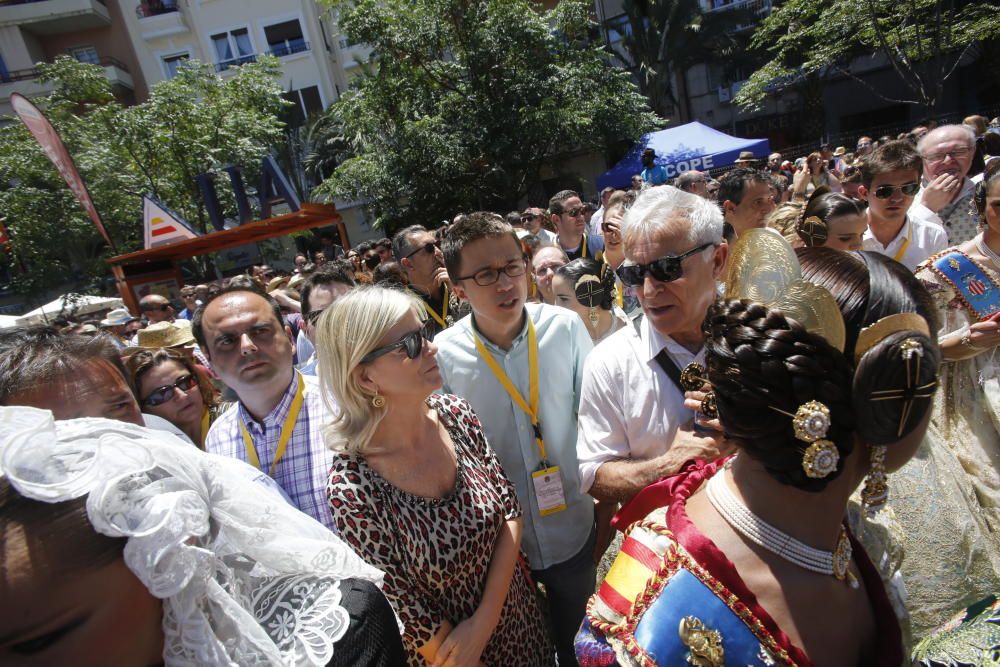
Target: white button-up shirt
{"x": 629, "y": 406}
{"x": 926, "y": 239}
{"x": 563, "y": 344}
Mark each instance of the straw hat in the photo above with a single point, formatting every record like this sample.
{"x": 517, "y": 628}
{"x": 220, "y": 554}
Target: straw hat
{"x": 117, "y": 318}
{"x": 840, "y": 151}
{"x": 746, "y": 156}
{"x": 276, "y": 283}
{"x": 164, "y": 334}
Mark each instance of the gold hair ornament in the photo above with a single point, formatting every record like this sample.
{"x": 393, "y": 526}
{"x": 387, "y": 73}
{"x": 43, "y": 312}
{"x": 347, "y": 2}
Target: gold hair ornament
{"x": 813, "y": 231}
{"x": 811, "y": 423}
{"x": 693, "y": 377}
{"x": 763, "y": 268}
{"x": 872, "y": 335}
{"x": 909, "y": 349}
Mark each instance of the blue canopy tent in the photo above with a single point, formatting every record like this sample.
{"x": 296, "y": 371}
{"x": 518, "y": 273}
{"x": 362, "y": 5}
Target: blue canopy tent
{"x": 680, "y": 149}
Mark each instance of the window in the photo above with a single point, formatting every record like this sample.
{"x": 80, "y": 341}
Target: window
{"x": 4, "y": 74}
{"x": 86, "y": 54}
{"x": 285, "y": 38}
{"x": 305, "y": 101}
{"x": 171, "y": 63}
{"x": 617, "y": 28}
{"x": 233, "y": 48}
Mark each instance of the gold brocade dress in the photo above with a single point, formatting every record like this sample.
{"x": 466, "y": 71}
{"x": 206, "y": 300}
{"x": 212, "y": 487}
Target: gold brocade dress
{"x": 944, "y": 504}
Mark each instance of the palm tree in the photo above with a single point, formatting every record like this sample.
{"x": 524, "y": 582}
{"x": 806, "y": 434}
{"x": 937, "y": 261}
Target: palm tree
{"x": 667, "y": 37}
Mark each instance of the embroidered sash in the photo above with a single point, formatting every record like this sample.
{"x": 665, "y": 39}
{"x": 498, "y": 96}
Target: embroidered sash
{"x": 975, "y": 288}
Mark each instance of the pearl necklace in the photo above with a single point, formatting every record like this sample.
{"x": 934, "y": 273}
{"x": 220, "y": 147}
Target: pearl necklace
{"x": 834, "y": 563}
{"x": 987, "y": 251}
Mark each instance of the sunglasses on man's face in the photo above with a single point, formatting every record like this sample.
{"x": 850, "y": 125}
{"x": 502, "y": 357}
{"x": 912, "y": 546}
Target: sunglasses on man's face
{"x": 161, "y": 395}
{"x": 428, "y": 247}
{"x": 886, "y": 191}
{"x": 665, "y": 269}
{"x": 412, "y": 343}
{"x": 573, "y": 212}
{"x": 528, "y": 217}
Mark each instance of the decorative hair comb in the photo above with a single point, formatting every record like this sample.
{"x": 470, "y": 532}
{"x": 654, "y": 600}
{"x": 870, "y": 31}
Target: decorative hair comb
{"x": 763, "y": 268}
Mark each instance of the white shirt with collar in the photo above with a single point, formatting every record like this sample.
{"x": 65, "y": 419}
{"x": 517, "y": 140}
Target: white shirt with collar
{"x": 629, "y": 406}
{"x": 926, "y": 239}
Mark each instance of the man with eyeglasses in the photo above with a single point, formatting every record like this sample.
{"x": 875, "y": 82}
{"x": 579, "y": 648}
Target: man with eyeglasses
{"x": 520, "y": 365}
{"x": 567, "y": 214}
{"x": 634, "y": 428}
{"x": 544, "y": 264}
{"x": 276, "y": 426}
{"x": 533, "y": 219}
{"x": 946, "y": 191}
{"x": 890, "y": 179}
{"x": 321, "y": 289}
{"x": 419, "y": 254}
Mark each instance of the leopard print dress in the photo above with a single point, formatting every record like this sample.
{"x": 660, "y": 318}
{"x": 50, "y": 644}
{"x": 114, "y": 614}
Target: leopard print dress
{"x": 436, "y": 552}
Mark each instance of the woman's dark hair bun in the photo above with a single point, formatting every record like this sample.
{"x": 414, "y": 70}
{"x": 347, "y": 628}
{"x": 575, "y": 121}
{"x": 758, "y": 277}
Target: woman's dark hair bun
{"x": 762, "y": 367}
{"x": 894, "y": 386}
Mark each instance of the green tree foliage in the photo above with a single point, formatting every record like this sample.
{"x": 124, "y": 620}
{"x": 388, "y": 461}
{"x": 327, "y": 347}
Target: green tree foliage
{"x": 667, "y": 37}
{"x": 923, "y": 41}
{"x": 470, "y": 99}
{"x": 194, "y": 123}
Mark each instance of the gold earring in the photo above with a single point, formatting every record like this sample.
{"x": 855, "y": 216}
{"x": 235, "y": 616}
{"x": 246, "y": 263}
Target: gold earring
{"x": 378, "y": 401}
{"x": 876, "y": 489}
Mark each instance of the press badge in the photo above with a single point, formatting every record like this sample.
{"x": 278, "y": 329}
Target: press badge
{"x": 548, "y": 490}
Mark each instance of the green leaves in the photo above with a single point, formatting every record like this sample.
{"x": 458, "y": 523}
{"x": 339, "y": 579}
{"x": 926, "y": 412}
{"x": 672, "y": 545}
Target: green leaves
{"x": 470, "y": 99}
{"x": 196, "y": 122}
{"x": 922, "y": 40}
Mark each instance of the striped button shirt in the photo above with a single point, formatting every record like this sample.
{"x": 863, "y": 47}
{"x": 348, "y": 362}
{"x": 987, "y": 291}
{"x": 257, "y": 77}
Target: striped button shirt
{"x": 303, "y": 470}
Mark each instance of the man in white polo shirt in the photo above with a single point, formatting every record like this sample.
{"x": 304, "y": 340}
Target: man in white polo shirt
{"x": 890, "y": 179}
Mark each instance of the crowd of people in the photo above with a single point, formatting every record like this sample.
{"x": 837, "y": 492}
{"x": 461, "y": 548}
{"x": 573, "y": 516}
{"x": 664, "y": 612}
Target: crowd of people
{"x": 750, "y": 421}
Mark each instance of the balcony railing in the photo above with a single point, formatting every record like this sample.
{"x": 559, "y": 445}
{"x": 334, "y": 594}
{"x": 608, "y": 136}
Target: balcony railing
{"x": 289, "y": 47}
{"x": 33, "y": 73}
{"x": 753, "y": 6}
{"x": 233, "y": 62}
{"x": 148, "y": 8}
{"x": 6, "y": 3}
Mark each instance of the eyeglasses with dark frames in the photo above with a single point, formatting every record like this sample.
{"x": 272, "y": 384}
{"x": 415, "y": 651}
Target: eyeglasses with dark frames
{"x": 487, "y": 277}
{"x": 665, "y": 269}
{"x": 161, "y": 395}
{"x": 428, "y": 247}
{"x": 573, "y": 212}
{"x": 412, "y": 343}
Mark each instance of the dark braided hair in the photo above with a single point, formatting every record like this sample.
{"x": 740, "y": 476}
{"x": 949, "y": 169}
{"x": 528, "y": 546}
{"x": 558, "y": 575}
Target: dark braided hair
{"x": 762, "y": 364}
{"x": 759, "y": 362}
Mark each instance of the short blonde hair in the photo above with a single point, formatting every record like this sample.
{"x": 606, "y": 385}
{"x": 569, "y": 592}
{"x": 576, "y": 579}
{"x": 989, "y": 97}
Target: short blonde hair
{"x": 346, "y": 331}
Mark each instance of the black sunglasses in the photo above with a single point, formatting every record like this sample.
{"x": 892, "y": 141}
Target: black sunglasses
{"x": 161, "y": 395}
{"x": 886, "y": 191}
{"x": 428, "y": 247}
{"x": 412, "y": 342}
{"x": 573, "y": 212}
{"x": 665, "y": 269}
{"x": 528, "y": 217}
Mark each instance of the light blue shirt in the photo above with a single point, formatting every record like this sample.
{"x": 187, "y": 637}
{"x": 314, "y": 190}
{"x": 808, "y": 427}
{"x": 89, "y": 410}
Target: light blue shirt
{"x": 563, "y": 344}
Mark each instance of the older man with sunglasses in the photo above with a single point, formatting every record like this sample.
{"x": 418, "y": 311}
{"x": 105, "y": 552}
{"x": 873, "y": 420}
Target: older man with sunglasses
{"x": 634, "y": 428}
{"x": 419, "y": 254}
{"x": 532, "y": 220}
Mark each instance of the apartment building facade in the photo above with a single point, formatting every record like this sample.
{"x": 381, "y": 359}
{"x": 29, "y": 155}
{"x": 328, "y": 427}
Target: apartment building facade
{"x": 94, "y": 31}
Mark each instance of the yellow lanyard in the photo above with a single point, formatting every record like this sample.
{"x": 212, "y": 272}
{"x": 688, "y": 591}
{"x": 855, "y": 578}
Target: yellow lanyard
{"x": 619, "y": 292}
{"x": 501, "y": 376}
{"x": 205, "y": 422}
{"x": 583, "y": 245}
{"x": 441, "y": 319}
{"x": 906, "y": 244}
{"x": 286, "y": 431}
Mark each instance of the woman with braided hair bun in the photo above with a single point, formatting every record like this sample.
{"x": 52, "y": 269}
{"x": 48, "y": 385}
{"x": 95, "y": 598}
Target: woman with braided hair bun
{"x": 823, "y": 388}
{"x": 587, "y": 287}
